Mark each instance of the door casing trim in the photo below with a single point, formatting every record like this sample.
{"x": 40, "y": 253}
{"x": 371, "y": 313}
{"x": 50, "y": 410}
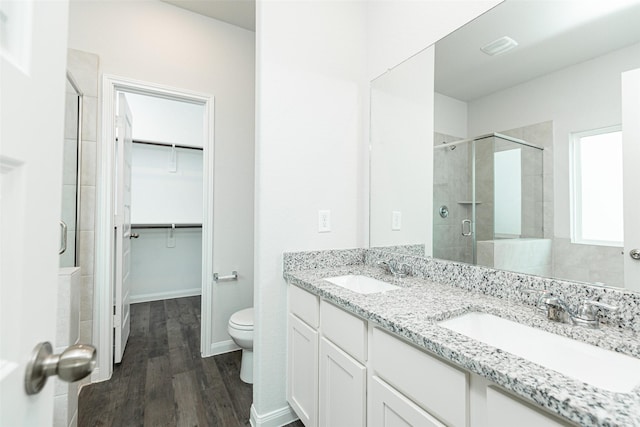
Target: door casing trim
{"x": 104, "y": 238}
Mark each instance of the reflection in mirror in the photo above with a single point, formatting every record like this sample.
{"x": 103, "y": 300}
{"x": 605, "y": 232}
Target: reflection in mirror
{"x": 401, "y": 111}
{"x": 70, "y": 217}
{"x": 492, "y": 186}
{"x": 504, "y": 163}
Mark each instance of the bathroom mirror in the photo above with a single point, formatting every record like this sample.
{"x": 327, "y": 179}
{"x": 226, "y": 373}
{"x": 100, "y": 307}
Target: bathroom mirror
{"x": 500, "y": 167}
{"x": 70, "y": 215}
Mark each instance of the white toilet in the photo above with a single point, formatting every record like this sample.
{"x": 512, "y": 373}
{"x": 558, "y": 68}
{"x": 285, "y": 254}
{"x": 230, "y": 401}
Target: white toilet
{"x": 241, "y": 331}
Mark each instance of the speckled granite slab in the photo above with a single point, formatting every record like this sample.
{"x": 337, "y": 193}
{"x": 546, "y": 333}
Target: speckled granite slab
{"x": 440, "y": 290}
{"x": 516, "y": 286}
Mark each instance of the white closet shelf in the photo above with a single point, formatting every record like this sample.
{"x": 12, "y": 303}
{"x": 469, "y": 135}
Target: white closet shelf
{"x": 166, "y": 144}
{"x": 167, "y": 225}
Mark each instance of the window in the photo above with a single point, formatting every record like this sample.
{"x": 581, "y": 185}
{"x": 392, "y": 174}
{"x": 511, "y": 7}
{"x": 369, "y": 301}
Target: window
{"x": 597, "y": 187}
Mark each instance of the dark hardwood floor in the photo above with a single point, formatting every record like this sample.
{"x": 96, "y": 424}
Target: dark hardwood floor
{"x": 163, "y": 381}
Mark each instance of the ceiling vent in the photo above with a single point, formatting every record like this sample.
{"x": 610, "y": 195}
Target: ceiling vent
{"x": 499, "y": 46}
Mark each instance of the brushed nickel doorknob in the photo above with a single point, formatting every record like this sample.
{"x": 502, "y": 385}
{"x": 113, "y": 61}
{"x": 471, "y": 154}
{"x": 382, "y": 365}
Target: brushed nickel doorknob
{"x": 635, "y": 254}
{"x": 73, "y": 364}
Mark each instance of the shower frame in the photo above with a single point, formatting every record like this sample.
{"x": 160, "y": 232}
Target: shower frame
{"x": 452, "y": 146}
{"x": 80, "y": 98}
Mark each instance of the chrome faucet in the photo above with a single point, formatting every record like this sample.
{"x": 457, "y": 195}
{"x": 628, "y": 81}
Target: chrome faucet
{"x": 588, "y": 313}
{"x": 398, "y": 269}
{"x": 557, "y": 310}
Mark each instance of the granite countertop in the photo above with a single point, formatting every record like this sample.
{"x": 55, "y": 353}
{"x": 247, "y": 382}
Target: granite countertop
{"x": 413, "y": 312}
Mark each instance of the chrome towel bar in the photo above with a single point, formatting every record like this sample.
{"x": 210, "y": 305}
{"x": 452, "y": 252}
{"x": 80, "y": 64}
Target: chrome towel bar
{"x": 232, "y": 276}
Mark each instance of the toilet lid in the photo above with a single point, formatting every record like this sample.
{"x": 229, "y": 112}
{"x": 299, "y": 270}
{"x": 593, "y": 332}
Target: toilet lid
{"x": 243, "y": 318}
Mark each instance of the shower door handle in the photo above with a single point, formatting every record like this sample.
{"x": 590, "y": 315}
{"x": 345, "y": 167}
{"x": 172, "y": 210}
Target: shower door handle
{"x": 468, "y": 222}
{"x": 63, "y": 234}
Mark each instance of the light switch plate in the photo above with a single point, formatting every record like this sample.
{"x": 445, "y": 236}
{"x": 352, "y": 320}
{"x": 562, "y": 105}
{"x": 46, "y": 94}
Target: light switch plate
{"x": 324, "y": 221}
{"x": 396, "y": 220}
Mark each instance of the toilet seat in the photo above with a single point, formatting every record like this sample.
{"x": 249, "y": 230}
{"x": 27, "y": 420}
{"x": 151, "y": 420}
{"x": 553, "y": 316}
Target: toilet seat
{"x": 242, "y": 320}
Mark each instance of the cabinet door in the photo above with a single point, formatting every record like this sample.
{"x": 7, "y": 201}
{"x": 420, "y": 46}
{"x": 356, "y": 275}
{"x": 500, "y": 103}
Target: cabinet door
{"x": 505, "y": 411}
{"x": 389, "y": 408}
{"x": 302, "y": 385}
{"x": 343, "y": 384}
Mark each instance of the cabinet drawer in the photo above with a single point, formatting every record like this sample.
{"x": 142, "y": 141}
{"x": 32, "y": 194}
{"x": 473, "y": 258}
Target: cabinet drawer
{"x": 389, "y": 408}
{"x": 438, "y": 387}
{"x": 305, "y": 305}
{"x": 345, "y": 330}
{"x": 506, "y": 411}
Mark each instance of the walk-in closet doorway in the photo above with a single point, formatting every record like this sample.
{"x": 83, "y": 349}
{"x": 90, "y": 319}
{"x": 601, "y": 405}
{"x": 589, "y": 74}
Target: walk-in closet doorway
{"x": 155, "y": 204}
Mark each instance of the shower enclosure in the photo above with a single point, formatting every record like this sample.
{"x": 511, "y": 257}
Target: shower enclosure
{"x": 488, "y": 201}
{"x": 71, "y": 170}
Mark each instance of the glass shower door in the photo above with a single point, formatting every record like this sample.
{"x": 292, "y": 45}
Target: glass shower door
{"x": 70, "y": 218}
{"x": 453, "y": 237}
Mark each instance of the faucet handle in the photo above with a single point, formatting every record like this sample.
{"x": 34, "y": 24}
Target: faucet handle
{"x": 589, "y": 309}
{"x": 588, "y": 312}
{"x": 543, "y": 294}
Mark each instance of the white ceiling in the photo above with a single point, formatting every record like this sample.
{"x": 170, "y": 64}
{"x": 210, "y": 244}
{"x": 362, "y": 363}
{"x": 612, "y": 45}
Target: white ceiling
{"x": 236, "y": 12}
{"x": 551, "y": 34}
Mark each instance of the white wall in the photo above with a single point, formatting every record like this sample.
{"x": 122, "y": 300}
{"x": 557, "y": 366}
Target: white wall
{"x": 450, "y": 116}
{"x": 161, "y": 194}
{"x": 312, "y": 104}
{"x": 159, "y": 43}
{"x": 581, "y": 97}
{"x": 310, "y": 75}
{"x": 161, "y": 271}
{"x": 401, "y": 146}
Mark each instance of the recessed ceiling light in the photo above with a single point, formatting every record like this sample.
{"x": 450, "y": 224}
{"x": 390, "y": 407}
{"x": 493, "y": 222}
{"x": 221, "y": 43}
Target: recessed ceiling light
{"x": 498, "y": 46}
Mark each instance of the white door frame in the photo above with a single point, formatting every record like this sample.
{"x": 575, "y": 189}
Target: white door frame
{"x": 630, "y": 156}
{"x": 104, "y": 259}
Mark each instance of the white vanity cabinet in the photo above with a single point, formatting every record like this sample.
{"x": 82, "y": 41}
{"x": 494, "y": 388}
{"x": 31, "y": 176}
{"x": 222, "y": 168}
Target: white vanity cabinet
{"x": 327, "y": 377}
{"x": 390, "y": 408}
{"x": 506, "y": 411}
{"x": 302, "y": 353}
{"x": 345, "y": 372}
{"x": 343, "y": 382}
{"x": 438, "y": 387}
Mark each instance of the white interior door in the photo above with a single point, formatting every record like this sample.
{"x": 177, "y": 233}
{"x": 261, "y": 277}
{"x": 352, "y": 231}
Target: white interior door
{"x": 31, "y": 142}
{"x": 124, "y": 147}
{"x": 631, "y": 173}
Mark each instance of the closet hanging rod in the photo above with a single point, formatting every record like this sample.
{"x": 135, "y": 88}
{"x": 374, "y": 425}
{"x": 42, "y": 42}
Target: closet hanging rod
{"x": 166, "y": 225}
{"x": 166, "y": 144}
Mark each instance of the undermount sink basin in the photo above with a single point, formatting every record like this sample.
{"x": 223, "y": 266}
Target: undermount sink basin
{"x": 361, "y": 284}
{"x": 593, "y": 365}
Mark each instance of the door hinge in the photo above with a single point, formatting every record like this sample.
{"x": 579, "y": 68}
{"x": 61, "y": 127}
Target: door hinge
{"x": 116, "y": 318}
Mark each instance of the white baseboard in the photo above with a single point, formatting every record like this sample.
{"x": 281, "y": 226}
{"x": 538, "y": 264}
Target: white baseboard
{"x": 156, "y": 296}
{"x": 277, "y": 418}
{"x": 96, "y": 377}
{"x": 221, "y": 347}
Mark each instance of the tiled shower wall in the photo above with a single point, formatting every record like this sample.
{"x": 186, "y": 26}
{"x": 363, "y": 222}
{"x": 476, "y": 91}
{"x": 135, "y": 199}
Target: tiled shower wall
{"x": 84, "y": 67}
{"x": 540, "y": 134}
{"x": 570, "y": 261}
{"x": 451, "y": 186}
